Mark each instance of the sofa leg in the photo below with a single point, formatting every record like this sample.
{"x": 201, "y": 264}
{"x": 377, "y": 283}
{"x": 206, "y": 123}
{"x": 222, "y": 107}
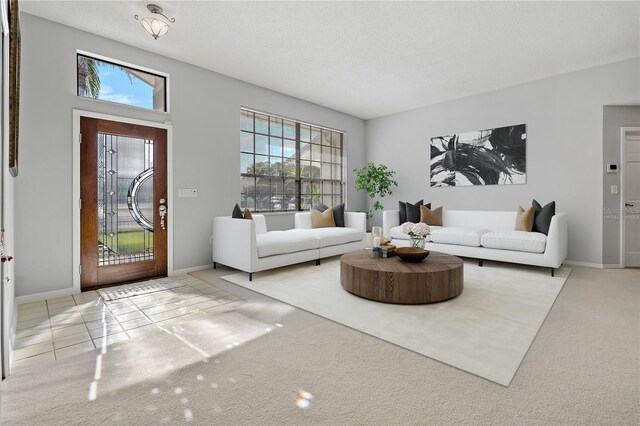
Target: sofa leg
{"x": 215, "y": 265}
{"x": 480, "y": 262}
{"x": 317, "y": 262}
{"x": 250, "y": 276}
{"x": 552, "y": 272}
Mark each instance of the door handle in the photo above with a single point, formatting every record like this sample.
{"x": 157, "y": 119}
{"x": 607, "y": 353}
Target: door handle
{"x": 628, "y": 205}
{"x": 163, "y": 212}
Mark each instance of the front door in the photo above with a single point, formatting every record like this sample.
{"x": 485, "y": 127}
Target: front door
{"x": 632, "y": 199}
{"x": 123, "y": 190}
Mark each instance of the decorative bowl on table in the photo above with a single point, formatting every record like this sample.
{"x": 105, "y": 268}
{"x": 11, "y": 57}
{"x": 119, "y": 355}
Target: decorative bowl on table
{"x": 412, "y": 254}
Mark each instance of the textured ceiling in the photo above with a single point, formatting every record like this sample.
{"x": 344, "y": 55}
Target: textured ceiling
{"x": 371, "y": 59}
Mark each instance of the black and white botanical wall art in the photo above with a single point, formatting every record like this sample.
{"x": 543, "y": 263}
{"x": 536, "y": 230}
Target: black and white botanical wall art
{"x": 484, "y": 157}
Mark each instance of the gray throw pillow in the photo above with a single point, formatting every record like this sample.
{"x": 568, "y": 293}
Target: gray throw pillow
{"x": 410, "y": 212}
{"x": 338, "y": 215}
{"x": 237, "y": 212}
{"x": 321, "y": 207}
{"x": 542, "y": 216}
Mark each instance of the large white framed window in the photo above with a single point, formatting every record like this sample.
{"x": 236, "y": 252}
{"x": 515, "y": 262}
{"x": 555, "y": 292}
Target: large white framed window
{"x": 288, "y": 165}
{"x": 109, "y": 80}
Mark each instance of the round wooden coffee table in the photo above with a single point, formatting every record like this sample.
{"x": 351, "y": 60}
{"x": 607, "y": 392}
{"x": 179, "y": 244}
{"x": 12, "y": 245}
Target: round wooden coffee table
{"x": 439, "y": 277}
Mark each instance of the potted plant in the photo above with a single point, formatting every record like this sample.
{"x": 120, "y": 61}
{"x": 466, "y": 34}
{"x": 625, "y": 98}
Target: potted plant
{"x": 377, "y": 182}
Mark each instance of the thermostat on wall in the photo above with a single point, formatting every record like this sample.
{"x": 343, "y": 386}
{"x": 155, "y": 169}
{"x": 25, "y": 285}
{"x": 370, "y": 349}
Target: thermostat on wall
{"x": 187, "y": 192}
{"x": 612, "y": 168}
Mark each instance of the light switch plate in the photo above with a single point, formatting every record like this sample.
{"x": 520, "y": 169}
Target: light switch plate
{"x": 187, "y": 193}
{"x": 614, "y": 189}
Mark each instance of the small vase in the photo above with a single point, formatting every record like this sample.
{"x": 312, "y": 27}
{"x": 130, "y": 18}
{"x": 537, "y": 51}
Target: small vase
{"x": 417, "y": 242}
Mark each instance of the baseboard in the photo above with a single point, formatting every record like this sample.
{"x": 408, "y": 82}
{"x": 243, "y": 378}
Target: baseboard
{"x": 67, "y": 291}
{"x": 185, "y": 271}
{"x": 46, "y": 295}
{"x": 612, "y": 266}
{"x": 587, "y": 264}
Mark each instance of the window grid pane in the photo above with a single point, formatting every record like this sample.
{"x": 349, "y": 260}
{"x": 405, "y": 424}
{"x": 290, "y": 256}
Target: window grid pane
{"x": 288, "y": 166}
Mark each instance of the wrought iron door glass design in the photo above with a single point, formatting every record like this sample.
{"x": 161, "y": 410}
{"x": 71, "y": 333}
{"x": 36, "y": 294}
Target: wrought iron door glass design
{"x": 125, "y": 199}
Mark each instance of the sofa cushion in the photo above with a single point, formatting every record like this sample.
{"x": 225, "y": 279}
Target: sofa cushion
{"x": 542, "y": 216}
{"x": 237, "y": 212}
{"x": 282, "y": 242}
{"x": 431, "y": 217}
{"x": 322, "y": 219}
{"x": 338, "y": 213}
{"x": 396, "y": 233}
{"x": 534, "y": 242}
{"x": 402, "y": 210}
{"x": 459, "y": 236}
{"x": 413, "y": 212}
{"x": 333, "y": 236}
{"x": 524, "y": 219}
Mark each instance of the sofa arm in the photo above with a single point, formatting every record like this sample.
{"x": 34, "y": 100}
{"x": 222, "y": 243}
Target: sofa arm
{"x": 234, "y": 243}
{"x": 557, "y": 240}
{"x": 390, "y": 219}
{"x": 356, "y": 220}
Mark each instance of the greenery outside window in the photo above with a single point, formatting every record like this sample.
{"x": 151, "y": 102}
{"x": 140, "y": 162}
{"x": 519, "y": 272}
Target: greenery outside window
{"x": 286, "y": 165}
{"x": 111, "y": 81}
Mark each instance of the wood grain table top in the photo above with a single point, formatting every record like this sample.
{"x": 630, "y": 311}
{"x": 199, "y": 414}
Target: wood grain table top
{"x": 437, "y": 278}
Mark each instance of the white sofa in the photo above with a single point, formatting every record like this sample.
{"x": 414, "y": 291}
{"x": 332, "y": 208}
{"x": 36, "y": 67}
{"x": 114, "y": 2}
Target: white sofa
{"x": 248, "y": 246}
{"x": 488, "y": 235}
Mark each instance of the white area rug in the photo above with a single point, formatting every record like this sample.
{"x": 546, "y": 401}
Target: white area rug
{"x": 137, "y": 289}
{"x": 487, "y": 330}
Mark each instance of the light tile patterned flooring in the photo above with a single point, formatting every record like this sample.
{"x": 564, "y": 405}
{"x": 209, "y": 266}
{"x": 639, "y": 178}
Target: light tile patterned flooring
{"x": 54, "y": 329}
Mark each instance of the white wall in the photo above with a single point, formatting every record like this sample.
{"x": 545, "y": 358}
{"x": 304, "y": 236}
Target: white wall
{"x": 564, "y": 117}
{"x": 205, "y": 112}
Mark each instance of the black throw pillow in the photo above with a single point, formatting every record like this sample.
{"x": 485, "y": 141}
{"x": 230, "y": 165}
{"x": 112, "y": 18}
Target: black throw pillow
{"x": 542, "y": 216}
{"x": 338, "y": 213}
{"x": 237, "y": 213}
{"x": 410, "y": 212}
{"x": 402, "y": 208}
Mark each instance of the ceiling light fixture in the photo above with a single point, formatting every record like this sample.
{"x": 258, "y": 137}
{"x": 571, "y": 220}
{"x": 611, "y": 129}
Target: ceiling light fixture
{"x": 156, "y": 27}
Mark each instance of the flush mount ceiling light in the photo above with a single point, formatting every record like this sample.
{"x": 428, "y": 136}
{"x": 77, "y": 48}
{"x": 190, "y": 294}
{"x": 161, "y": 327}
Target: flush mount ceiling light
{"x": 155, "y": 26}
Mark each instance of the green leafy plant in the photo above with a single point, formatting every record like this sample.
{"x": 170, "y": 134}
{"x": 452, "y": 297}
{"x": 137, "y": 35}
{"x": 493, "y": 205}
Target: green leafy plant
{"x": 89, "y": 83}
{"x": 377, "y": 182}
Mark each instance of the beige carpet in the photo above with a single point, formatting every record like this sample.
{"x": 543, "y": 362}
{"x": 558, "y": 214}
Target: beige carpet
{"x": 582, "y": 368}
{"x": 486, "y": 330}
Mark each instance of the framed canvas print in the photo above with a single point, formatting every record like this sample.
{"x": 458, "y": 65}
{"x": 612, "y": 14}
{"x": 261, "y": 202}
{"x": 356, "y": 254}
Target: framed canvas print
{"x": 483, "y": 157}
{"x": 14, "y": 85}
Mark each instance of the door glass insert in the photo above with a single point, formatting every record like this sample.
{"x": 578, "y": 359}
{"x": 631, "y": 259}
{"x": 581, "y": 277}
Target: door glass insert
{"x": 125, "y": 199}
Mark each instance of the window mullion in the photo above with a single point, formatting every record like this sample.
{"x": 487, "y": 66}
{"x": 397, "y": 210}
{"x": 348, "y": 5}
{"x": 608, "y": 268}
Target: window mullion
{"x": 298, "y": 175}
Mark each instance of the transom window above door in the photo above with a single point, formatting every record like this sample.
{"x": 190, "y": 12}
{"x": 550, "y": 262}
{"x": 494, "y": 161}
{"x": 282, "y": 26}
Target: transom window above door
{"x": 287, "y": 165}
{"x": 114, "y": 81}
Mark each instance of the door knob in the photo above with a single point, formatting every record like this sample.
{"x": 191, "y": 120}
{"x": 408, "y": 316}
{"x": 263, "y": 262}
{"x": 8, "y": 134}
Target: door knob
{"x": 163, "y": 212}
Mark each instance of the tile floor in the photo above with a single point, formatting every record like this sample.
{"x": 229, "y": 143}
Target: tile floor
{"x": 53, "y": 329}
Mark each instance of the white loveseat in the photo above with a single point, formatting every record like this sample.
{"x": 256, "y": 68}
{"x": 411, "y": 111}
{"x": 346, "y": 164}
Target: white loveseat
{"x": 248, "y": 246}
{"x": 488, "y": 235}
